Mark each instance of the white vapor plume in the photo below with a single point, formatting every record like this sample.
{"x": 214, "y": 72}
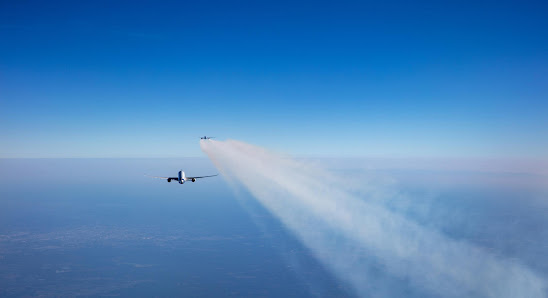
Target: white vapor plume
{"x": 355, "y": 238}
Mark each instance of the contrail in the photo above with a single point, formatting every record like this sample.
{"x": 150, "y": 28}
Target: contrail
{"x": 356, "y": 238}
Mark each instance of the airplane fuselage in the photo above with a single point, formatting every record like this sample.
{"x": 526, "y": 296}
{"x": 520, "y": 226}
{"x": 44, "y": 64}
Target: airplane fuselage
{"x": 181, "y": 177}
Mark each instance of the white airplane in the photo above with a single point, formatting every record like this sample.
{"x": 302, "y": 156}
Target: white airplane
{"x": 182, "y": 178}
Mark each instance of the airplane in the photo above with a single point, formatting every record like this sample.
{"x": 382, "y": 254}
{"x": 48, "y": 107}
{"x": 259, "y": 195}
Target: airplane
{"x": 182, "y": 178}
{"x": 206, "y": 138}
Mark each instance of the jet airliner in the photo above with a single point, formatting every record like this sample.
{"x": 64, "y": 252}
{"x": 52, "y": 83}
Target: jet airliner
{"x": 182, "y": 178}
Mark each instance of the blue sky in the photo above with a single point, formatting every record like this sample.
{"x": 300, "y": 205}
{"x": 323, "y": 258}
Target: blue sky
{"x": 395, "y": 79}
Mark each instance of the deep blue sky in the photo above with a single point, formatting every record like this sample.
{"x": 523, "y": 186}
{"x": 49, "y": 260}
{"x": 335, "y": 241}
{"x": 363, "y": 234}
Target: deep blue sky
{"x": 146, "y": 79}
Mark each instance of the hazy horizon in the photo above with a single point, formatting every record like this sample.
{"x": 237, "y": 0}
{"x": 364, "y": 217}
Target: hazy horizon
{"x": 100, "y": 227}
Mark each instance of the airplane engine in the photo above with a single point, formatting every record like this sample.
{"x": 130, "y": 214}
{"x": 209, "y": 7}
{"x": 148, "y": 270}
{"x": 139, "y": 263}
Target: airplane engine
{"x": 168, "y": 180}
{"x": 193, "y": 179}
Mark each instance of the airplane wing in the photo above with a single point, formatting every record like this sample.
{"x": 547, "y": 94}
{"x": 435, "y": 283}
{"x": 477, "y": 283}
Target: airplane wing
{"x": 175, "y": 178}
{"x": 202, "y": 176}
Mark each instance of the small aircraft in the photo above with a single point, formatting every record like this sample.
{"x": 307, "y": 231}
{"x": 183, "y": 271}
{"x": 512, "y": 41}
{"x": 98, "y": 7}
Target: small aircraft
{"x": 182, "y": 178}
{"x": 206, "y": 138}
